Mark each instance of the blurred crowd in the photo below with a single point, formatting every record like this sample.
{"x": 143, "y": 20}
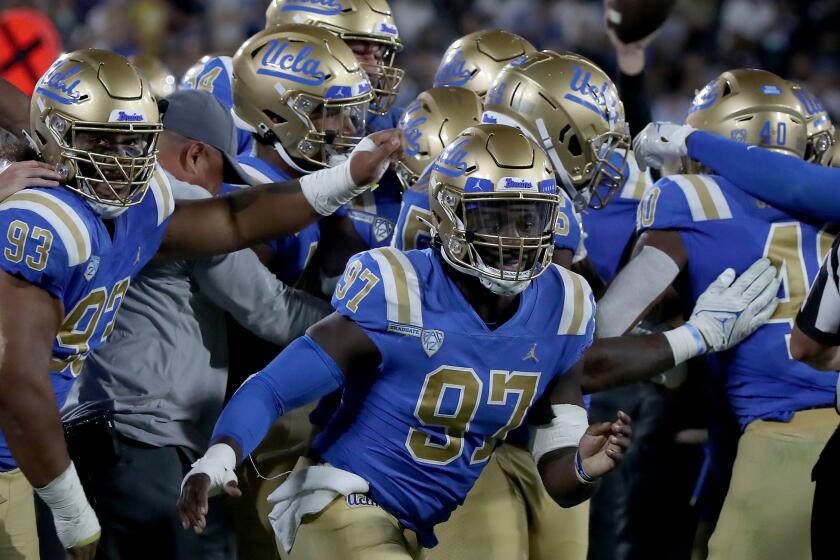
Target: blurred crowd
{"x": 798, "y": 39}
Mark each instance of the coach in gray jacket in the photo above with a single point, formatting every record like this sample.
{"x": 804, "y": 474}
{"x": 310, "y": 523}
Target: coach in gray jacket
{"x": 163, "y": 371}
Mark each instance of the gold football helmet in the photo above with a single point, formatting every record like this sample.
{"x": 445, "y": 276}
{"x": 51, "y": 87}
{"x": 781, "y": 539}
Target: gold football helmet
{"x": 370, "y": 21}
{"x": 161, "y": 79}
{"x": 474, "y": 60}
{"x": 94, "y": 113}
{"x": 820, "y": 146}
{"x": 434, "y": 118}
{"x": 754, "y": 107}
{"x": 494, "y": 203}
{"x": 571, "y": 108}
{"x": 301, "y": 89}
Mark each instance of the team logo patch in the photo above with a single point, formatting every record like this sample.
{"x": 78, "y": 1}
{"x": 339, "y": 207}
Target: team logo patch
{"x": 92, "y": 267}
{"x": 404, "y": 329}
{"x": 121, "y": 115}
{"x": 454, "y": 71}
{"x": 771, "y": 90}
{"x": 739, "y": 135}
{"x": 432, "y": 340}
{"x": 59, "y": 84}
{"x": 302, "y": 67}
{"x": 382, "y": 229}
{"x": 360, "y": 500}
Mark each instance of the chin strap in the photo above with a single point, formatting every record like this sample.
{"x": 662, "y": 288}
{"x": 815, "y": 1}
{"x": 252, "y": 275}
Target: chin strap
{"x": 284, "y": 155}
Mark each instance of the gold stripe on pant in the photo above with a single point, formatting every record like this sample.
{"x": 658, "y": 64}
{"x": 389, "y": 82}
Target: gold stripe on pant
{"x": 767, "y": 511}
{"x": 18, "y": 532}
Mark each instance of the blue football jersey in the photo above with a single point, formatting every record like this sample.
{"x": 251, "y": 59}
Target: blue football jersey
{"x": 722, "y": 227}
{"x": 412, "y": 233}
{"x": 390, "y": 119}
{"x": 293, "y": 251}
{"x": 216, "y": 76}
{"x": 54, "y": 240}
{"x": 374, "y": 213}
{"x": 421, "y": 430}
{"x": 610, "y": 230}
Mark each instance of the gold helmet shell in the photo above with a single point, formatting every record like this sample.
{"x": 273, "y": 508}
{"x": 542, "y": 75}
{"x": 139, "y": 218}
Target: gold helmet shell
{"x": 494, "y": 204}
{"x": 160, "y": 77}
{"x": 295, "y": 84}
{"x": 754, "y": 107}
{"x": 820, "y": 128}
{"x": 94, "y": 91}
{"x": 571, "y": 108}
{"x": 370, "y": 21}
{"x": 474, "y": 60}
{"x": 429, "y": 123}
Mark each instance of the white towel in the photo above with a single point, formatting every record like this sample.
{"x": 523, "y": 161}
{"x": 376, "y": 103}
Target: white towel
{"x": 308, "y": 490}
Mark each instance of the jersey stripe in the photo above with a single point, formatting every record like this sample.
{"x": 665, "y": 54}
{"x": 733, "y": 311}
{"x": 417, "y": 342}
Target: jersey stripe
{"x": 577, "y": 305}
{"x": 722, "y": 207}
{"x": 162, "y": 191}
{"x": 402, "y": 290}
{"x": 65, "y": 221}
{"x": 637, "y": 181}
{"x": 709, "y": 209}
{"x": 260, "y": 177}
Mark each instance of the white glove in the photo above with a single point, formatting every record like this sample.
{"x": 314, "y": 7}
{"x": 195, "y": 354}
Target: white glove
{"x": 218, "y": 464}
{"x": 727, "y": 312}
{"x": 75, "y": 521}
{"x": 660, "y": 143}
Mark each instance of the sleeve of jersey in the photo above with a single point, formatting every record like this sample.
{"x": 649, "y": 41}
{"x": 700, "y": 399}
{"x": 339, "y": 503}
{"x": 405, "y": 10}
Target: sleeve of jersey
{"x": 160, "y": 187}
{"x": 410, "y": 230}
{"x": 360, "y": 294}
{"x": 664, "y": 206}
{"x": 788, "y": 183}
{"x": 819, "y": 317}
{"x": 567, "y": 231}
{"x": 39, "y": 244}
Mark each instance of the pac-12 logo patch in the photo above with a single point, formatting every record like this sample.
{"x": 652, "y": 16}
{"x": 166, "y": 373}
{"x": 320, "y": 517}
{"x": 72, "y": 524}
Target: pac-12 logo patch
{"x": 382, "y": 229}
{"x": 92, "y": 267}
{"x": 432, "y": 340}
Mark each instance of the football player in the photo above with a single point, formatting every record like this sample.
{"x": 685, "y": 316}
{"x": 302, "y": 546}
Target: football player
{"x": 69, "y": 255}
{"x": 696, "y": 223}
{"x": 474, "y": 60}
{"x": 313, "y": 124}
{"x": 369, "y": 30}
{"x": 429, "y": 346}
{"x": 160, "y": 78}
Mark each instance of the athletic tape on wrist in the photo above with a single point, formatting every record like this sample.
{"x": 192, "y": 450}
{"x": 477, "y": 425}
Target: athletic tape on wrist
{"x": 686, "y": 342}
{"x": 565, "y": 430}
{"x": 329, "y": 189}
{"x": 75, "y": 521}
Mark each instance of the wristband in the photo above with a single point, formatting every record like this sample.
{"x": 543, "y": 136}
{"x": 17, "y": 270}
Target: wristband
{"x": 582, "y": 476}
{"x": 686, "y": 342}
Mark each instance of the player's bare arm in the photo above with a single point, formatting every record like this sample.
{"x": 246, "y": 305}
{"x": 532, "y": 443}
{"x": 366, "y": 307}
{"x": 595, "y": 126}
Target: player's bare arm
{"x": 350, "y": 349}
{"x": 224, "y": 224}
{"x": 571, "y": 473}
{"x": 817, "y": 355}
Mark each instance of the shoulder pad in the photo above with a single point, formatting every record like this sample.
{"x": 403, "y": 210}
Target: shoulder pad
{"x": 380, "y": 291}
{"x": 678, "y": 200}
{"x": 39, "y": 208}
{"x": 578, "y": 311}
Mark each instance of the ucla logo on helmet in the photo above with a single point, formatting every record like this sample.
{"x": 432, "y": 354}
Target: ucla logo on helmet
{"x": 453, "y": 156}
{"x": 592, "y": 97}
{"x": 122, "y": 115}
{"x": 515, "y": 184}
{"x": 323, "y": 7}
{"x": 410, "y": 124}
{"x": 453, "y": 72}
{"x": 383, "y": 27}
{"x": 706, "y": 98}
{"x": 302, "y": 67}
{"x": 494, "y": 96}
{"x": 59, "y": 84}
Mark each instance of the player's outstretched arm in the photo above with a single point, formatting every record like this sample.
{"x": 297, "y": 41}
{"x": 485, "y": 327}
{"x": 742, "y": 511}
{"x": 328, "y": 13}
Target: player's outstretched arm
{"x": 793, "y": 185}
{"x": 29, "y": 413}
{"x": 728, "y": 311}
{"x": 571, "y": 455}
{"x": 206, "y": 227}
{"x": 311, "y": 367}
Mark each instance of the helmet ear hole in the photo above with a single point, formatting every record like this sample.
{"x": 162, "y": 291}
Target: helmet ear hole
{"x": 727, "y": 88}
{"x": 574, "y": 146}
{"x": 562, "y": 136}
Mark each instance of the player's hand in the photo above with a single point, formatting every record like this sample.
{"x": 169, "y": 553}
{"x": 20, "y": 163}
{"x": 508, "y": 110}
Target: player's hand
{"x": 374, "y": 154}
{"x": 603, "y": 446}
{"x": 24, "y": 174}
{"x": 84, "y": 552}
{"x": 732, "y": 309}
{"x": 660, "y": 144}
{"x": 209, "y": 476}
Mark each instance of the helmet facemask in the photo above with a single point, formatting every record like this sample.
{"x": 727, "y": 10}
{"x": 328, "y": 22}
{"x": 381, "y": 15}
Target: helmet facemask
{"x": 820, "y": 148}
{"x": 110, "y": 163}
{"x": 608, "y": 172}
{"x": 385, "y": 78}
{"x": 505, "y": 239}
